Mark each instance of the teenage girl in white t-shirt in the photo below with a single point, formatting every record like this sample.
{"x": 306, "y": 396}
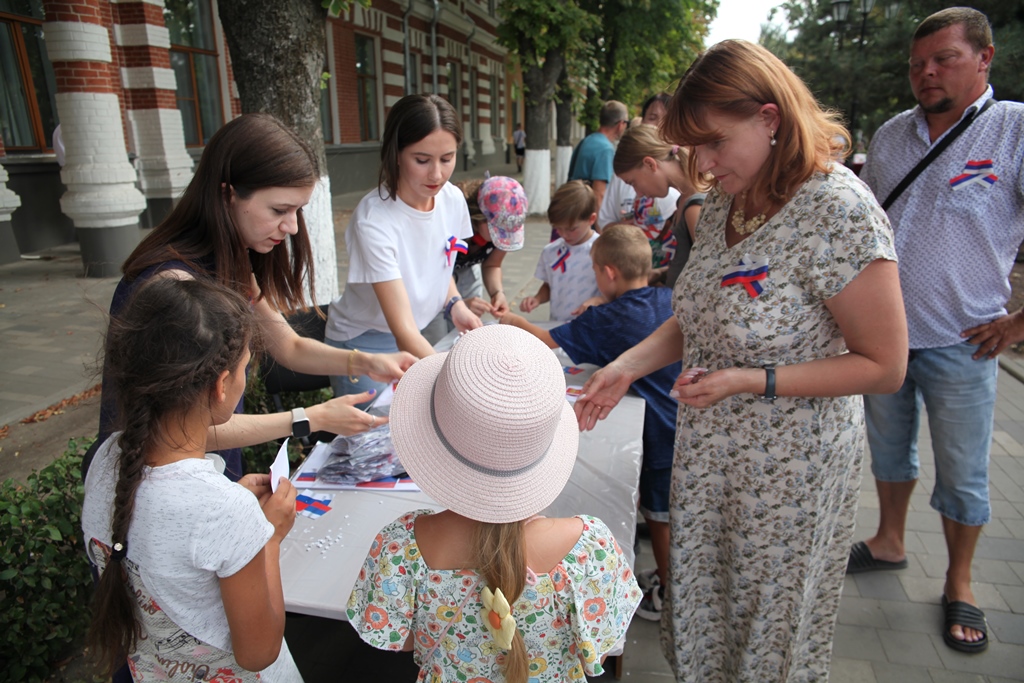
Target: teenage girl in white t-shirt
{"x": 189, "y": 562}
{"x": 402, "y": 241}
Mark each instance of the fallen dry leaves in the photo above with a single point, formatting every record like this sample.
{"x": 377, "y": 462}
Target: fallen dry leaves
{"x": 58, "y": 408}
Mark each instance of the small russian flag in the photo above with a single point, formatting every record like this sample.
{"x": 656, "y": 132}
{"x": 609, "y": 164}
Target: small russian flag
{"x": 978, "y": 171}
{"x": 453, "y": 245}
{"x": 559, "y": 263}
{"x": 748, "y": 272}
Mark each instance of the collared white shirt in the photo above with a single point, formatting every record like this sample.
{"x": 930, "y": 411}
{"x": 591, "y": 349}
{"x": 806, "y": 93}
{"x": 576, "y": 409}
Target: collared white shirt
{"x": 959, "y": 224}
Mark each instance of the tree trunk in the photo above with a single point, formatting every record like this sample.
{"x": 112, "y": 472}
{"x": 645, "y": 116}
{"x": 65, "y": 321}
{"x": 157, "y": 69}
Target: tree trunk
{"x": 563, "y": 127}
{"x": 278, "y": 51}
{"x": 539, "y": 82}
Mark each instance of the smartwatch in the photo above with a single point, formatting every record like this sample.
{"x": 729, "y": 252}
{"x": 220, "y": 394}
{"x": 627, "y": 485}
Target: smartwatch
{"x": 300, "y": 423}
{"x": 769, "y": 385}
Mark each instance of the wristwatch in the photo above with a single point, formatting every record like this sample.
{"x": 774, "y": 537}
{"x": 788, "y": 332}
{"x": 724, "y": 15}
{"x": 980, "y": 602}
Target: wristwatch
{"x": 300, "y": 423}
{"x": 769, "y": 385}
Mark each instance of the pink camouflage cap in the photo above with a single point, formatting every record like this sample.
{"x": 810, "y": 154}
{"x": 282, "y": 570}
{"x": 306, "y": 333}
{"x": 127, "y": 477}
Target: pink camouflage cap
{"x": 503, "y": 203}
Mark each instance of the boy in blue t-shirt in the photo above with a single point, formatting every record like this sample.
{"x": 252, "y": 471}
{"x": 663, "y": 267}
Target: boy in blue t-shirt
{"x": 621, "y": 258}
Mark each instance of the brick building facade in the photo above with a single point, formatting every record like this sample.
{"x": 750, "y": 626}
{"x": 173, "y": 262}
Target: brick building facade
{"x": 138, "y": 86}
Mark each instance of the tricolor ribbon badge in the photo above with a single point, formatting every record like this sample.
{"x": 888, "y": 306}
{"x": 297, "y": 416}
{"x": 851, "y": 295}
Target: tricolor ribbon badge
{"x": 974, "y": 172}
{"x": 559, "y": 263}
{"x": 453, "y": 245}
{"x": 748, "y": 272}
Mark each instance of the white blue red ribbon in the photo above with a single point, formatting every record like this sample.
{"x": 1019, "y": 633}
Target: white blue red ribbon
{"x": 453, "y": 245}
{"x": 974, "y": 172}
{"x": 563, "y": 256}
{"x": 748, "y": 272}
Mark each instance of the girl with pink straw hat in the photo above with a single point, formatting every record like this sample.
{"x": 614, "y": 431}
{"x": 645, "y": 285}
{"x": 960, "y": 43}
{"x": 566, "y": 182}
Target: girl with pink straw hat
{"x": 488, "y": 589}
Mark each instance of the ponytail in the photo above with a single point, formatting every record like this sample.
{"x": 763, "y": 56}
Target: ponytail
{"x": 501, "y": 563}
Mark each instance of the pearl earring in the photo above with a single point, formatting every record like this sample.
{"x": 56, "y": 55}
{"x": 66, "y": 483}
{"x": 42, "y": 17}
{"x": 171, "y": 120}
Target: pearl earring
{"x": 772, "y": 133}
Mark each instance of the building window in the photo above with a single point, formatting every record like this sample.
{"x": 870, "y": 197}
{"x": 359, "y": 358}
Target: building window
{"x": 194, "y": 60}
{"x": 366, "y": 87}
{"x": 28, "y": 111}
{"x": 455, "y": 87}
{"x": 495, "y": 106}
{"x": 474, "y": 106}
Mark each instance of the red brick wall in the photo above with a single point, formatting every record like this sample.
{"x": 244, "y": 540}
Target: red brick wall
{"x": 345, "y": 75}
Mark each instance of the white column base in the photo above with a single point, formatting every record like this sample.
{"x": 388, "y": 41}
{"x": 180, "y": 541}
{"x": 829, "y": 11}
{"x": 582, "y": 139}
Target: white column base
{"x": 163, "y": 164}
{"x": 9, "y": 199}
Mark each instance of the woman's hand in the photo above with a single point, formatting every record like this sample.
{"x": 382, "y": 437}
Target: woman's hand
{"x": 699, "y": 388}
{"x": 477, "y": 305}
{"x": 279, "y": 508}
{"x": 528, "y": 304}
{"x": 340, "y": 416}
{"x": 259, "y": 484}
{"x": 463, "y": 318}
{"x": 601, "y": 393}
{"x": 499, "y": 305}
{"x": 384, "y": 367}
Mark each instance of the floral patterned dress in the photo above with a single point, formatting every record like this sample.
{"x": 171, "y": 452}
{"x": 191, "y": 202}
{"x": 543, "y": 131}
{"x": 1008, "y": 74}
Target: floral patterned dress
{"x": 764, "y": 495}
{"x": 569, "y": 617}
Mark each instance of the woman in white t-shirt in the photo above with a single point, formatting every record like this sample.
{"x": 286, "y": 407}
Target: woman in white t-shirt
{"x": 402, "y": 241}
{"x": 189, "y": 562}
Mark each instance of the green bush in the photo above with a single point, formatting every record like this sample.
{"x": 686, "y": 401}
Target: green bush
{"x": 45, "y": 584}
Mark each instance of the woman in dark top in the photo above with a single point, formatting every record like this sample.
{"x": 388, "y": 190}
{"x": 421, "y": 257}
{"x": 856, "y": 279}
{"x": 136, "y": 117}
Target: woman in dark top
{"x": 245, "y": 199}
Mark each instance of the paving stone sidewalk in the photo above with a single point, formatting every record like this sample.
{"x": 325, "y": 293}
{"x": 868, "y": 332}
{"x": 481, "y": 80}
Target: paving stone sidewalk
{"x": 889, "y": 623}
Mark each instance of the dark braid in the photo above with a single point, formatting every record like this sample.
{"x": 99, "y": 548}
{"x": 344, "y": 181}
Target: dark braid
{"x": 163, "y": 353}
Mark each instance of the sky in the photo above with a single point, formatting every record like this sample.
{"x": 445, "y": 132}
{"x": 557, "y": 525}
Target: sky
{"x": 740, "y": 19}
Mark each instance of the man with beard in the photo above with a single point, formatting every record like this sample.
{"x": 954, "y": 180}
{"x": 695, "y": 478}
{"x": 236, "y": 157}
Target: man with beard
{"x": 958, "y": 226}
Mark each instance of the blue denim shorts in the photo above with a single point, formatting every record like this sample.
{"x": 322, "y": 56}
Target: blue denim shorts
{"x": 370, "y": 341}
{"x": 655, "y": 487}
{"x": 959, "y": 394}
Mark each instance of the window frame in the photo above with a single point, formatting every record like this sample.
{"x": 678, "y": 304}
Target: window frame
{"x": 362, "y": 100}
{"x": 28, "y": 85}
{"x": 190, "y": 52}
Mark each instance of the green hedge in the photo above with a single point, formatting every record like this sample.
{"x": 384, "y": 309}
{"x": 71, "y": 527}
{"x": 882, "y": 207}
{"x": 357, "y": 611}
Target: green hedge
{"x": 259, "y": 458}
{"x": 45, "y": 584}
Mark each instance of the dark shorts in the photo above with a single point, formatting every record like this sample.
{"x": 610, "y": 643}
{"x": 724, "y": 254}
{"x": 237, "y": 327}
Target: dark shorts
{"x": 520, "y": 151}
{"x": 654, "y": 493}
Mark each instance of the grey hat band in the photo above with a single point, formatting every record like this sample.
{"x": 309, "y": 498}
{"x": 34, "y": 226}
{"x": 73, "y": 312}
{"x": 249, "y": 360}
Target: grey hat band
{"x": 489, "y": 471}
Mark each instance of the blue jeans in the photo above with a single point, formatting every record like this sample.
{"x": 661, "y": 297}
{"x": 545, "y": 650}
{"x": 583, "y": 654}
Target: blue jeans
{"x": 370, "y": 341}
{"x": 959, "y": 394}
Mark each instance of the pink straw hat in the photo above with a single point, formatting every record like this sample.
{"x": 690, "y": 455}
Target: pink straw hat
{"x": 485, "y": 429}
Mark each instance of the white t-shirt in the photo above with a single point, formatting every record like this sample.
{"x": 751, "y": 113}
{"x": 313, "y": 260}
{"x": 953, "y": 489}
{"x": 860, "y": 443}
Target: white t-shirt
{"x": 389, "y": 240}
{"x": 571, "y": 278}
{"x": 190, "y": 527}
{"x": 619, "y": 206}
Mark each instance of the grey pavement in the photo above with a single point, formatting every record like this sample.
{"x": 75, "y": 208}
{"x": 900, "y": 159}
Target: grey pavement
{"x": 889, "y": 625}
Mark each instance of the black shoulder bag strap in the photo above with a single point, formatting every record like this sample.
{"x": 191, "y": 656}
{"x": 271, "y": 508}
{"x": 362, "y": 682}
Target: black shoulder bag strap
{"x": 936, "y": 151}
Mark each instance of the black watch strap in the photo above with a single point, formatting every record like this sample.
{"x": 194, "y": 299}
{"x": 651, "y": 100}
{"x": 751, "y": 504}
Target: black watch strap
{"x": 769, "y": 385}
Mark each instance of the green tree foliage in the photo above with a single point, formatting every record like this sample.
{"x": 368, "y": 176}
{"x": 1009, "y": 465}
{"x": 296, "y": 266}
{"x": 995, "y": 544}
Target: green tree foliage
{"x": 644, "y": 46}
{"x": 860, "y": 67}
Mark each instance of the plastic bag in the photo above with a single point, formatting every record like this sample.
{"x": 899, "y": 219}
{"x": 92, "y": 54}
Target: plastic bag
{"x": 360, "y": 458}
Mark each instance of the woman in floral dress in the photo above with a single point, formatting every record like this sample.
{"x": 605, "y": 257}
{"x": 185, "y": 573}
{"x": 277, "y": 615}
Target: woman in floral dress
{"x": 788, "y": 309}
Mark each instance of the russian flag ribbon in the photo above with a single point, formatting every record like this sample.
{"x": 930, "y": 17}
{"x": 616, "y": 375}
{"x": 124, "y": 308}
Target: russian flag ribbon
{"x": 979, "y": 171}
{"x": 559, "y": 263}
{"x": 453, "y": 245}
{"x": 748, "y": 272}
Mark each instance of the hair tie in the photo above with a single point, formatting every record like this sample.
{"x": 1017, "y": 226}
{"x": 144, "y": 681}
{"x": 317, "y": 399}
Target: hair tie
{"x": 675, "y": 150}
{"x": 118, "y": 551}
{"x": 497, "y": 617}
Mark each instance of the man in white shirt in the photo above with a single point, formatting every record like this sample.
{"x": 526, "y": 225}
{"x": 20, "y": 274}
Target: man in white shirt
{"x": 957, "y": 226}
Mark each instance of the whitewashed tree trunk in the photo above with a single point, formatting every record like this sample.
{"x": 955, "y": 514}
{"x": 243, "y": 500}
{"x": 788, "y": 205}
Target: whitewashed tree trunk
{"x": 563, "y": 155}
{"x": 537, "y": 180}
{"x": 320, "y": 224}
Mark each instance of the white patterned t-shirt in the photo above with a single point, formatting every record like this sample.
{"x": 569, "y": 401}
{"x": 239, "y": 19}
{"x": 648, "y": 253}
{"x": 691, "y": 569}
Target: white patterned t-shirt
{"x": 570, "y": 275}
{"x": 959, "y": 224}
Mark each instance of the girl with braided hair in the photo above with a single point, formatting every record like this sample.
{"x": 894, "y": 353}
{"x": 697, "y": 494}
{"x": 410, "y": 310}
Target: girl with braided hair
{"x": 190, "y": 583}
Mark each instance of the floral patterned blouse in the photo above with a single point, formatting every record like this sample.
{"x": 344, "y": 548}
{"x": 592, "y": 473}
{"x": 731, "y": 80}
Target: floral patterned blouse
{"x": 569, "y": 618}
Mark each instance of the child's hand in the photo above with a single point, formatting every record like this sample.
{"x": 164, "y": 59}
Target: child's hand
{"x": 512, "y": 319}
{"x": 464, "y": 319}
{"x": 499, "y": 305}
{"x": 259, "y": 484}
{"x": 477, "y": 305}
{"x": 528, "y": 304}
{"x": 279, "y": 508}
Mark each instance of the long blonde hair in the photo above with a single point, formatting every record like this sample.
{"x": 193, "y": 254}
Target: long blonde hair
{"x": 501, "y": 563}
{"x": 640, "y": 142}
{"x": 737, "y": 78}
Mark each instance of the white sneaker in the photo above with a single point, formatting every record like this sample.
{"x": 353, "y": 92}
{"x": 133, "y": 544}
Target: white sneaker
{"x": 648, "y": 578}
{"x": 650, "y": 606}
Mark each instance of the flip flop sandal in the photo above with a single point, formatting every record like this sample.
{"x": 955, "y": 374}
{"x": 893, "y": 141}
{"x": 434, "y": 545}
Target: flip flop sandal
{"x": 966, "y": 615}
{"x": 862, "y": 561}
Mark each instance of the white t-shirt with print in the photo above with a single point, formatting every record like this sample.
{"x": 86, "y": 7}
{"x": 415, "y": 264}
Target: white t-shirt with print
{"x": 619, "y": 206}
{"x": 389, "y": 240}
{"x": 570, "y": 278}
{"x": 191, "y": 526}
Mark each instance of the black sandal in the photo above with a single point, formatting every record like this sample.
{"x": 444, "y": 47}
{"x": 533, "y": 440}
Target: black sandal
{"x": 861, "y": 561}
{"x": 968, "y": 616}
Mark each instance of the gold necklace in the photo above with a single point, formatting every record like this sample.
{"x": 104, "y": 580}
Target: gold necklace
{"x": 739, "y": 222}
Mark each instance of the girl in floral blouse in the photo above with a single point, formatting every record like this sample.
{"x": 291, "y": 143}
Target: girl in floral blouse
{"x": 487, "y": 590}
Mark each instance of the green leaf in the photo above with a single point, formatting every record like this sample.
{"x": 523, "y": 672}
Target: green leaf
{"x": 8, "y": 574}
{"x": 394, "y": 637}
{"x": 54, "y": 533}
